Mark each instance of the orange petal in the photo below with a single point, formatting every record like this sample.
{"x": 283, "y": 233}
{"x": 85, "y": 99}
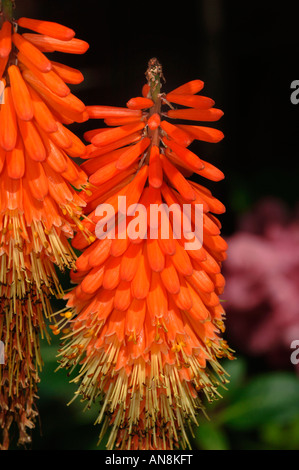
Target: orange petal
{"x": 132, "y": 154}
{"x": 32, "y": 53}
{"x": 154, "y": 121}
{"x": 42, "y": 114}
{"x": 175, "y": 133}
{"x": 103, "y": 112}
{"x": 157, "y": 302}
{"x": 112, "y": 273}
{"x": 181, "y": 260}
{"x": 121, "y": 121}
{"x": 210, "y": 172}
{"x": 3, "y": 64}
{"x": 68, "y": 74}
{"x": 36, "y": 178}
{"x": 188, "y": 158}
{"x": 112, "y": 135}
{"x": 170, "y": 277}
{"x": 74, "y": 46}
{"x": 130, "y": 262}
{"x": 93, "y": 281}
{"x": 15, "y": 161}
{"x": 5, "y": 39}
{"x": 69, "y": 106}
{"x": 155, "y": 255}
{"x": 141, "y": 282}
{"x": 32, "y": 141}
{"x": 20, "y": 94}
{"x": 177, "y": 179}
{"x": 135, "y": 316}
{"x": 48, "y": 28}
{"x": 122, "y": 299}
{"x": 155, "y": 175}
{"x": 11, "y": 193}
{"x": 2, "y": 158}
{"x": 50, "y": 79}
{"x": 140, "y": 103}
{"x": 192, "y": 114}
{"x": 130, "y": 139}
{"x": 193, "y": 101}
{"x": 192, "y": 87}
{"x": 99, "y": 253}
{"x": 8, "y": 128}
{"x": 207, "y": 134}
{"x": 58, "y": 188}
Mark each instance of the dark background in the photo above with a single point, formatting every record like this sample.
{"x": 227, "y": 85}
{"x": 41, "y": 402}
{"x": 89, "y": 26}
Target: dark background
{"x": 247, "y": 55}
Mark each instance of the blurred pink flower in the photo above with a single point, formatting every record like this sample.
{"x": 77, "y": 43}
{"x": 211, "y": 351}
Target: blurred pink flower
{"x": 262, "y": 289}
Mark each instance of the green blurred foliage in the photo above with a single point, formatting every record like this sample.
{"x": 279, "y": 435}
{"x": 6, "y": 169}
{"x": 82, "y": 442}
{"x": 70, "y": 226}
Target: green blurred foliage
{"x": 257, "y": 412}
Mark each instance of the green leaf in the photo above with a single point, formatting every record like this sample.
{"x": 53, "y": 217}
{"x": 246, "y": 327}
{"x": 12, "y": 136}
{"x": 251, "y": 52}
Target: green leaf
{"x": 211, "y": 437}
{"x": 269, "y": 398}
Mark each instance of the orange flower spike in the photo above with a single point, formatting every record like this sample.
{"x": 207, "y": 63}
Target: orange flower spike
{"x": 48, "y": 28}
{"x": 32, "y": 53}
{"x": 160, "y": 330}
{"x": 8, "y": 127}
{"x": 5, "y": 39}
{"x": 20, "y": 94}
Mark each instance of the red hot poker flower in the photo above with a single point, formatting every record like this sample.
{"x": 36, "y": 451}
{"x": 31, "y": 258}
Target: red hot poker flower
{"x": 40, "y": 209}
{"x": 146, "y": 316}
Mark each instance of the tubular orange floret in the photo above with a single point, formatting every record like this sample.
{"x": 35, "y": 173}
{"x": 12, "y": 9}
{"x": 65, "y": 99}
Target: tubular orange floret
{"x": 68, "y": 74}
{"x": 192, "y": 114}
{"x": 48, "y": 28}
{"x": 140, "y": 103}
{"x": 193, "y": 101}
{"x": 103, "y": 112}
{"x": 32, "y": 53}
{"x": 50, "y": 44}
{"x": 8, "y": 127}
{"x": 192, "y": 87}
{"x": 154, "y": 121}
{"x": 20, "y": 94}
{"x": 42, "y": 114}
{"x": 5, "y": 39}
{"x": 112, "y": 135}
